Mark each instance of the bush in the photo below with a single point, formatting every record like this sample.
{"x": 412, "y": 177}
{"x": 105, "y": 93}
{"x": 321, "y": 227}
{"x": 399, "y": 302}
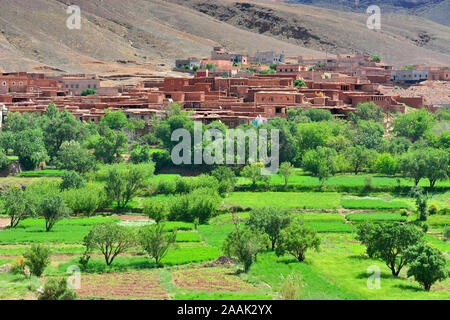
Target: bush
{"x": 432, "y": 209}
{"x": 201, "y": 203}
{"x": 72, "y": 180}
{"x": 56, "y": 289}
{"x": 37, "y": 258}
{"x": 156, "y": 209}
{"x": 425, "y": 227}
{"x": 4, "y": 161}
{"x": 166, "y": 187}
{"x": 446, "y": 233}
{"x": 86, "y": 200}
{"x": 18, "y": 265}
{"x": 183, "y": 185}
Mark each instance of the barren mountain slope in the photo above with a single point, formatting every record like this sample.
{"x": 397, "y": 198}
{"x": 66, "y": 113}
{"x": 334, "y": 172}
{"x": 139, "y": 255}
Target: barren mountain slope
{"x": 434, "y": 10}
{"x": 402, "y": 39}
{"x": 34, "y": 34}
{"x": 146, "y": 36}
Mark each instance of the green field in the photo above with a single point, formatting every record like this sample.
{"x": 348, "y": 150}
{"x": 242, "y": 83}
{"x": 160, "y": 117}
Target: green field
{"x": 307, "y": 200}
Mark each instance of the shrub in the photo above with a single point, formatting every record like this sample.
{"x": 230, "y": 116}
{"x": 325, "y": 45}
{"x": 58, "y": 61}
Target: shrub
{"x": 18, "y": 265}
{"x": 446, "y": 233}
{"x": 182, "y": 185}
{"x": 4, "y": 161}
{"x": 110, "y": 238}
{"x": 72, "y": 180}
{"x": 290, "y": 287}
{"x": 57, "y": 289}
{"x": 433, "y": 209}
{"x": 166, "y": 187}
{"x": 156, "y": 241}
{"x": 425, "y": 227}
{"x": 86, "y": 200}
{"x": 37, "y": 258}
{"x": 156, "y": 209}
{"x": 201, "y": 203}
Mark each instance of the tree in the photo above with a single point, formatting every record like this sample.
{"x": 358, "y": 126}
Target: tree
{"x": 369, "y": 111}
{"x": 72, "y": 180}
{"x": 386, "y": 164}
{"x": 71, "y": 156}
{"x": 37, "y": 258}
{"x": 53, "y": 208}
{"x": 62, "y": 127}
{"x": 57, "y": 289}
{"x": 437, "y": 165}
{"x": 110, "y": 238}
{"x": 413, "y": 125}
{"x": 369, "y": 133}
{"x": 388, "y": 242}
{"x": 123, "y": 183}
{"x": 320, "y": 162}
{"x": 115, "y": 120}
{"x": 376, "y": 59}
{"x": 414, "y": 165}
{"x": 15, "y": 205}
{"x": 253, "y": 172}
{"x": 286, "y": 170}
{"x": 109, "y": 145}
{"x": 244, "y": 245}
{"x": 360, "y": 158}
{"x": 426, "y": 264}
{"x": 271, "y": 221}
{"x": 226, "y": 178}
{"x": 313, "y": 135}
{"x": 156, "y": 209}
{"x": 318, "y": 115}
{"x": 139, "y": 154}
{"x": 156, "y": 241}
{"x": 29, "y": 146}
{"x": 296, "y": 239}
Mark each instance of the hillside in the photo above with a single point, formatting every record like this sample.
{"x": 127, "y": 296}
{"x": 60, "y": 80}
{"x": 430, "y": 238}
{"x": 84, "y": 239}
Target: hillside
{"x": 434, "y": 10}
{"x": 145, "y": 36}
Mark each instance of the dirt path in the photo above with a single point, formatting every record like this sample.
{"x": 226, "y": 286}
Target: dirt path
{"x": 4, "y": 222}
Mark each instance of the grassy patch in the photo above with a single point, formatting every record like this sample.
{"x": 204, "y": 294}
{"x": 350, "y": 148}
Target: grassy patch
{"x": 309, "y": 200}
{"x": 358, "y": 217}
{"x": 65, "y": 231}
{"x": 366, "y": 203}
{"x": 41, "y": 173}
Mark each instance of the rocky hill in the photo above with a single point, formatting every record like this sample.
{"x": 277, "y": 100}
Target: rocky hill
{"x": 145, "y": 36}
{"x": 434, "y": 10}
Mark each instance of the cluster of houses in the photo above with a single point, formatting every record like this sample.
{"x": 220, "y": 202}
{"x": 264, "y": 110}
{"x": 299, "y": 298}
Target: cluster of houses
{"x": 235, "y": 91}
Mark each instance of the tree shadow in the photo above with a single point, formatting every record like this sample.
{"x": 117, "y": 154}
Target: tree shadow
{"x": 409, "y": 287}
